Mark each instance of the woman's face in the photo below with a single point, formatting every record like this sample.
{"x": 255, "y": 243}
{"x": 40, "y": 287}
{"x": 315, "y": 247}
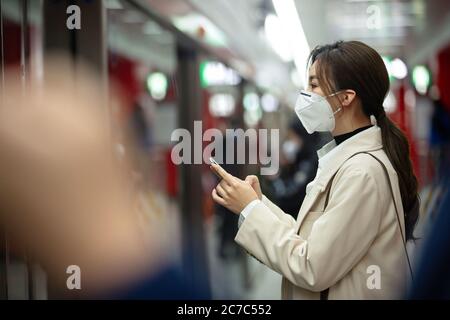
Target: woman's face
{"x": 314, "y": 86}
{"x": 313, "y": 81}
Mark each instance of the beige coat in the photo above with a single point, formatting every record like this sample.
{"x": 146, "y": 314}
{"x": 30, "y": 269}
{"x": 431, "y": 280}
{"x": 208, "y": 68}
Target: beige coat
{"x": 349, "y": 246}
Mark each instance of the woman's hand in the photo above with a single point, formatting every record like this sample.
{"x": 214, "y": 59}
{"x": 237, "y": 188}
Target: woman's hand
{"x": 233, "y": 193}
{"x": 254, "y": 182}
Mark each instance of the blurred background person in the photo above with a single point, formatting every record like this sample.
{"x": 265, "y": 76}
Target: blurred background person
{"x": 298, "y": 165}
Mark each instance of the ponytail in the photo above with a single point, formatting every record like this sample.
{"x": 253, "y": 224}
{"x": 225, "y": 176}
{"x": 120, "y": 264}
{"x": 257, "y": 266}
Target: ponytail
{"x": 396, "y": 146}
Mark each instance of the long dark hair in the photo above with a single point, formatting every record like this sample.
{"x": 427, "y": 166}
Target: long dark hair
{"x": 356, "y": 66}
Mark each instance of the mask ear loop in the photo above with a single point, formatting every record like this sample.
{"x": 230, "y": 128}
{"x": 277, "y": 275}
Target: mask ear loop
{"x": 338, "y": 109}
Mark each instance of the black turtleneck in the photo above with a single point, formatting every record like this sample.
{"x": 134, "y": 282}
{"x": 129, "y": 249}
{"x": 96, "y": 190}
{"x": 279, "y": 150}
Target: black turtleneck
{"x": 342, "y": 137}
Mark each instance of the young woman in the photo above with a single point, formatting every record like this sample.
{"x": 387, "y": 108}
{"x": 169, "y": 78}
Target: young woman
{"x": 349, "y": 240}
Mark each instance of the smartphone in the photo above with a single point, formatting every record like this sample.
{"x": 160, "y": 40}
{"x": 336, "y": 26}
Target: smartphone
{"x": 211, "y": 159}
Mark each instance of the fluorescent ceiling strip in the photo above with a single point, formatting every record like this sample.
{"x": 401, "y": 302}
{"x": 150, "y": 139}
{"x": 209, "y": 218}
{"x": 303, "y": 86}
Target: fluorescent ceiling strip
{"x": 287, "y": 12}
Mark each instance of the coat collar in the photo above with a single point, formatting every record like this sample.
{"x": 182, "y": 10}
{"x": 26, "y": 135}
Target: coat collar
{"x": 331, "y": 158}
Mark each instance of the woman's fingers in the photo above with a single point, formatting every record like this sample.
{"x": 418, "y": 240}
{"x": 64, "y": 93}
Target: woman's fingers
{"x": 225, "y": 175}
{"x": 218, "y": 199}
{"x": 234, "y": 197}
{"x": 221, "y": 191}
{"x": 251, "y": 179}
{"x": 226, "y": 186}
{"x": 254, "y": 182}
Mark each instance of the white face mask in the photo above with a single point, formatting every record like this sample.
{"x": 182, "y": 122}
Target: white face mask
{"x": 315, "y": 112}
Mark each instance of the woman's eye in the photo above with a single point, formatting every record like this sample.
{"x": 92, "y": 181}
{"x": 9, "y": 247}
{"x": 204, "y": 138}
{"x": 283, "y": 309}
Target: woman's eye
{"x": 313, "y": 86}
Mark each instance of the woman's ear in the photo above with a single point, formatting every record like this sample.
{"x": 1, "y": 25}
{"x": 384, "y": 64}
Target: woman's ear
{"x": 348, "y": 97}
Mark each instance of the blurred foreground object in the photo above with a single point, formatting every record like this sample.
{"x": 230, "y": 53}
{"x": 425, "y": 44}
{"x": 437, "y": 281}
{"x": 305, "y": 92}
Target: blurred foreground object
{"x": 64, "y": 194}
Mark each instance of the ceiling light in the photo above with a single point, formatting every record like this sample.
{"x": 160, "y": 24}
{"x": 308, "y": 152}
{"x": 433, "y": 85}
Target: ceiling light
{"x": 287, "y": 12}
{"x": 399, "y": 69}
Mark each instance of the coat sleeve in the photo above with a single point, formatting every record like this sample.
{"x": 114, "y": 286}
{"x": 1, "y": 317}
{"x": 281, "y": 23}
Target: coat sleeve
{"x": 338, "y": 239}
{"x": 286, "y": 218}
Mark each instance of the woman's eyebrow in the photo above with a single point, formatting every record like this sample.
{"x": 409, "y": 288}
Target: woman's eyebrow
{"x": 313, "y": 77}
